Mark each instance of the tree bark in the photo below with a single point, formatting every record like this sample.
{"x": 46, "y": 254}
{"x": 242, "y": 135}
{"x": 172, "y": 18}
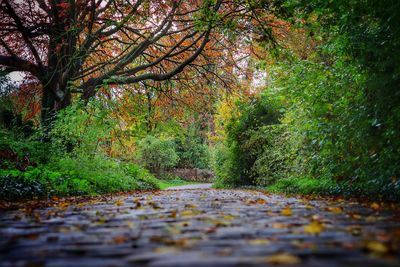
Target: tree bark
{"x": 51, "y": 105}
{"x": 48, "y": 110}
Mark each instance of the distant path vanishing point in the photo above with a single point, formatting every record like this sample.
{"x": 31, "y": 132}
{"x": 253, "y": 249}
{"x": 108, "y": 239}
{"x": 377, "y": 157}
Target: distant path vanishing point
{"x": 191, "y": 187}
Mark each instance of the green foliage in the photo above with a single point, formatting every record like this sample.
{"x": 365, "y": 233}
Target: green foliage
{"x": 235, "y": 163}
{"x": 339, "y": 126}
{"x": 74, "y": 176}
{"x": 84, "y": 129}
{"x": 29, "y": 148}
{"x": 192, "y": 150}
{"x": 327, "y": 186}
{"x": 305, "y": 186}
{"x": 157, "y": 154}
{"x": 73, "y": 163}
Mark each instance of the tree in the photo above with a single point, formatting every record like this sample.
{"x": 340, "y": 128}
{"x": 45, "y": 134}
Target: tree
{"x": 77, "y": 46}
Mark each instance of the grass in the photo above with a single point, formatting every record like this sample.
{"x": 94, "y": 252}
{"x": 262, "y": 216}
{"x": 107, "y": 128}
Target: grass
{"x": 164, "y": 184}
{"x": 304, "y": 186}
{"x": 377, "y": 189}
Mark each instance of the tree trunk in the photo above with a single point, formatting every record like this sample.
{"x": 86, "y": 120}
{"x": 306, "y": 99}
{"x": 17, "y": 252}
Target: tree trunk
{"x": 48, "y": 111}
{"x": 50, "y": 106}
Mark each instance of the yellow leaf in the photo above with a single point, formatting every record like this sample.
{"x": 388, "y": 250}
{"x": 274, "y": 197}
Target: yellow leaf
{"x": 283, "y": 259}
{"x": 355, "y": 216}
{"x": 314, "y": 228}
{"x": 187, "y": 213}
{"x": 335, "y": 209}
{"x": 279, "y": 226}
{"x": 166, "y": 250}
{"x": 259, "y": 241}
{"x": 375, "y": 206}
{"x": 286, "y": 211}
{"x": 228, "y": 217}
{"x": 119, "y": 203}
{"x": 377, "y": 247}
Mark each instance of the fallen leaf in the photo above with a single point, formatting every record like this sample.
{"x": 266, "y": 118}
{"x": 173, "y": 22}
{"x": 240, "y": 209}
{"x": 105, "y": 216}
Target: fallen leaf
{"x": 375, "y": 206}
{"x": 63, "y": 205}
{"x": 335, "y": 209}
{"x": 172, "y": 214}
{"x": 314, "y": 228}
{"x": 166, "y": 250}
{"x": 261, "y": 201}
{"x": 283, "y": 259}
{"x": 225, "y": 252}
{"x": 210, "y": 230}
{"x": 120, "y": 239}
{"x": 220, "y": 223}
{"x": 377, "y": 247}
{"x": 259, "y": 242}
{"x": 228, "y": 217}
{"x": 286, "y": 212}
{"x": 355, "y": 216}
{"x": 187, "y": 213}
{"x": 304, "y": 245}
{"x": 354, "y": 230}
{"x": 119, "y": 202}
{"x": 154, "y": 205}
{"x": 279, "y": 226}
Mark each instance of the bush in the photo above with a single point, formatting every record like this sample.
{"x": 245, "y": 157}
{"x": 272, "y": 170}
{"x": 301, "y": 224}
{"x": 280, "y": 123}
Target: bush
{"x": 379, "y": 189}
{"x": 192, "y": 152}
{"x": 157, "y": 155}
{"x": 236, "y": 162}
{"x": 75, "y": 176}
{"x": 305, "y": 186}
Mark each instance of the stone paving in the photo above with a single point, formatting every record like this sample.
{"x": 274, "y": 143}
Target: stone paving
{"x": 201, "y": 227}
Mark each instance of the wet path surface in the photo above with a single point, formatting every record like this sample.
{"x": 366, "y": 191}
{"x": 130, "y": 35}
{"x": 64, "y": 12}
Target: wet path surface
{"x": 201, "y": 227}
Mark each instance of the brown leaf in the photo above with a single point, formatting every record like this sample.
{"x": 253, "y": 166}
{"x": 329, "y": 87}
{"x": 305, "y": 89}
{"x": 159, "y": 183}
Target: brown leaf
{"x": 172, "y": 214}
{"x": 261, "y": 201}
{"x": 120, "y": 239}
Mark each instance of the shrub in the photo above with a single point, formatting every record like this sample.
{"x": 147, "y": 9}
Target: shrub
{"x": 245, "y": 142}
{"x": 75, "y": 176}
{"x": 157, "y": 155}
{"x": 305, "y": 185}
{"x": 192, "y": 152}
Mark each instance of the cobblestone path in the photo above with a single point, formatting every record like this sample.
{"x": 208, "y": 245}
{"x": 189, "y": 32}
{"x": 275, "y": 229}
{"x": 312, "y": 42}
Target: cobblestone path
{"x": 201, "y": 227}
